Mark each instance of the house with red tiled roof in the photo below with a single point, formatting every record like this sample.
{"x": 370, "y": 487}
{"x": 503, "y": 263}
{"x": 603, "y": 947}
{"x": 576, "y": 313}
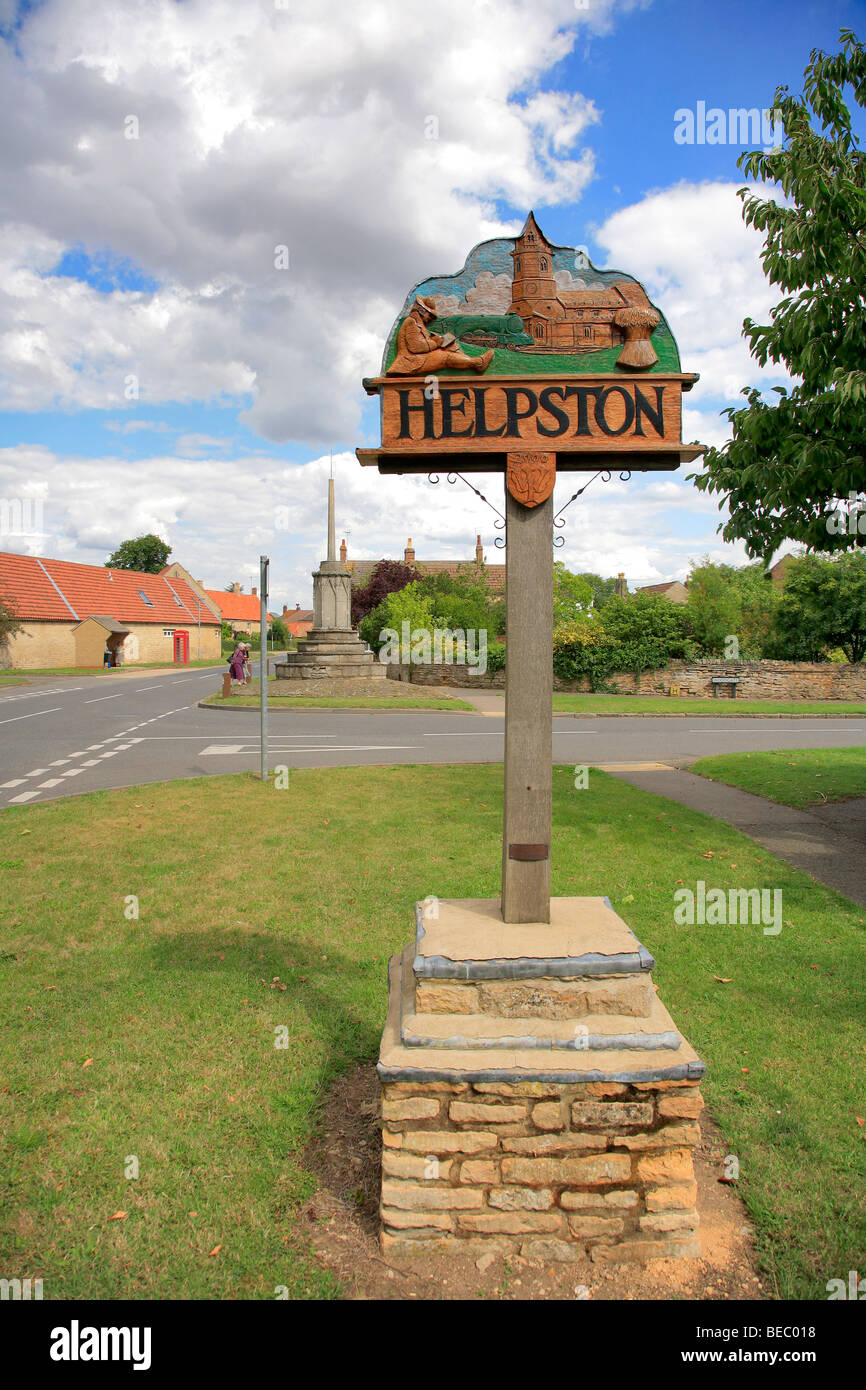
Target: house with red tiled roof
{"x": 72, "y": 615}
{"x": 243, "y": 611}
{"x": 298, "y": 621}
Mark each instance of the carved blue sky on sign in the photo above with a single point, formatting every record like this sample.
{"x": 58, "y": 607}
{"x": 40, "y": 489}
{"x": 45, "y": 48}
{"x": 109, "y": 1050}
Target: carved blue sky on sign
{"x": 538, "y": 305}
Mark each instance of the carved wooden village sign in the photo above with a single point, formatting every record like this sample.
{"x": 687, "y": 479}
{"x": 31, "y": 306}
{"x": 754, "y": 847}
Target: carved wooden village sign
{"x": 528, "y": 1011}
{"x": 530, "y": 350}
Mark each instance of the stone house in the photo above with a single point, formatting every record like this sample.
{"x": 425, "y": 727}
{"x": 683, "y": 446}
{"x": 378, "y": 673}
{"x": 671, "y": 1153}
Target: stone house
{"x": 70, "y": 613}
{"x": 298, "y": 621}
{"x": 493, "y": 575}
{"x": 672, "y": 589}
{"x": 242, "y": 611}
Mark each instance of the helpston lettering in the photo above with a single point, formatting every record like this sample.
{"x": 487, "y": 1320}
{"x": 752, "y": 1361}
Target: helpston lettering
{"x": 500, "y": 412}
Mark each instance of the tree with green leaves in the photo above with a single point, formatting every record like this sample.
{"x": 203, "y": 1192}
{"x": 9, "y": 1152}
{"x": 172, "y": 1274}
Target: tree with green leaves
{"x": 387, "y": 577}
{"x": 790, "y": 463}
{"x": 603, "y": 590}
{"x": 572, "y": 595}
{"x": 726, "y": 602}
{"x": 406, "y": 605}
{"x": 9, "y": 623}
{"x": 823, "y": 607}
{"x": 146, "y": 554}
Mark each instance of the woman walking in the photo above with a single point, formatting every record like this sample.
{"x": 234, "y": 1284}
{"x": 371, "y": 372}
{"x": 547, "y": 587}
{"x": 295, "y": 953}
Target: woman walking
{"x": 236, "y": 665}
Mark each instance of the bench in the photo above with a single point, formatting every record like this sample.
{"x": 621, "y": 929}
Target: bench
{"x": 732, "y": 681}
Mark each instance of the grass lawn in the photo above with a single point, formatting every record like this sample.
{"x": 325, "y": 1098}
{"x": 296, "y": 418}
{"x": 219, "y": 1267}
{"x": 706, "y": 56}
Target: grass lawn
{"x": 724, "y": 705}
{"x": 250, "y": 699}
{"x": 154, "y": 1038}
{"x": 11, "y": 680}
{"x": 795, "y": 776}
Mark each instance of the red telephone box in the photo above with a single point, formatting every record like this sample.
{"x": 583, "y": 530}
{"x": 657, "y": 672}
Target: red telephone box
{"x": 181, "y": 648}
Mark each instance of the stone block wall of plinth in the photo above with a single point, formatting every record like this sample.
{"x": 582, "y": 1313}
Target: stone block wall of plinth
{"x": 331, "y": 655}
{"x": 537, "y": 1096}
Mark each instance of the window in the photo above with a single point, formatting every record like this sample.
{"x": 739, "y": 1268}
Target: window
{"x": 539, "y": 331}
{"x": 516, "y": 262}
{"x": 168, "y": 632}
{"x": 587, "y": 332}
{"x": 543, "y": 264}
{"x": 143, "y": 596}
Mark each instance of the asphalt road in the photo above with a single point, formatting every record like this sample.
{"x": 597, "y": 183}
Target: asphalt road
{"x": 67, "y": 736}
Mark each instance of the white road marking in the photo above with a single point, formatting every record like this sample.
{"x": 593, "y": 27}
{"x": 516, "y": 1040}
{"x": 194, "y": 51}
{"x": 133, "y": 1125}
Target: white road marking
{"x": 112, "y": 753}
{"x": 16, "y": 782}
{"x": 222, "y": 748}
{"x": 52, "y": 782}
{"x": 35, "y": 715}
{"x": 91, "y": 762}
{"x": 97, "y": 699}
{"x": 73, "y": 772}
{"x": 474, "y": 734}
{"x": 237, "y": 751}
{"x": 141, "y": 689}
{"x": 37, "y": 772}
{"x": 23, "y": 796}
{"x": 59, "y": 762}
{"x": 93, "y": 747}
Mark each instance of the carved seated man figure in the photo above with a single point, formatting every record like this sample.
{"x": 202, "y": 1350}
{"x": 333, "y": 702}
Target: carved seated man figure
{"x": 420, "y": 352}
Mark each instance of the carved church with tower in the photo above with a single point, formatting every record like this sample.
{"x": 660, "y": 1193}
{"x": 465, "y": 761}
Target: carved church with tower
{"x": 561, "y": 319}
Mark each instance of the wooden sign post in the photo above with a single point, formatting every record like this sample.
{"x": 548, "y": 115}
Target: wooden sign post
{"x": 519, "y": 365}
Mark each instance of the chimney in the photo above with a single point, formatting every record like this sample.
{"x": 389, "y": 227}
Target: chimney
{"x": 297, "y": 608}
{"x": 236, "y": 588}
{"x": 255, "y": 593}
{"x": 409, "y": 553}
{"x": 621, "y": 588}
{"x": 479, "y": 553}
{"x": 342, "y": 552}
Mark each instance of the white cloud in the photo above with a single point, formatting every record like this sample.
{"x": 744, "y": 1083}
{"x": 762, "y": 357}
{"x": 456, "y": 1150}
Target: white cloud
{"x": 259, "y": 127}
{"x": 219, "y": 514}
{"x": 699, "y": 261}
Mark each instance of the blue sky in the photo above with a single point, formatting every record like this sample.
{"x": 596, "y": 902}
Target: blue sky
{"x": 146, "y": 265}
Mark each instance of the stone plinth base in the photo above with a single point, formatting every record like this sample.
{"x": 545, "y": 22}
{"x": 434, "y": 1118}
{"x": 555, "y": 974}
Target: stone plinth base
{"x": 537, "y": 1098}
{"x": 331, "y": 655}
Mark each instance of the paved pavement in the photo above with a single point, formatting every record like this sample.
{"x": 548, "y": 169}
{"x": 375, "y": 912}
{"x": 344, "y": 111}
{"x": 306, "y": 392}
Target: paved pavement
{"x": 829, "y": 843}
{"x": 61, "y": 737}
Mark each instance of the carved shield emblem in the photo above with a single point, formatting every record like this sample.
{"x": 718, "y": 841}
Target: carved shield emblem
{"x": 530, "y": 477}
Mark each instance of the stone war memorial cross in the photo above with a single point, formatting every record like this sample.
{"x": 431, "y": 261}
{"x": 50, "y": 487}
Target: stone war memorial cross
{"x": 537, "y": 1097}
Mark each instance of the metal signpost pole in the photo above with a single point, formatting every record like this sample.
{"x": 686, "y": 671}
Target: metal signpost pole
{"x": 263, "y": 661}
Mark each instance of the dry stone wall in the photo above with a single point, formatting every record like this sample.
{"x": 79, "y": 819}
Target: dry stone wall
{"x": 757, "y": 680}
